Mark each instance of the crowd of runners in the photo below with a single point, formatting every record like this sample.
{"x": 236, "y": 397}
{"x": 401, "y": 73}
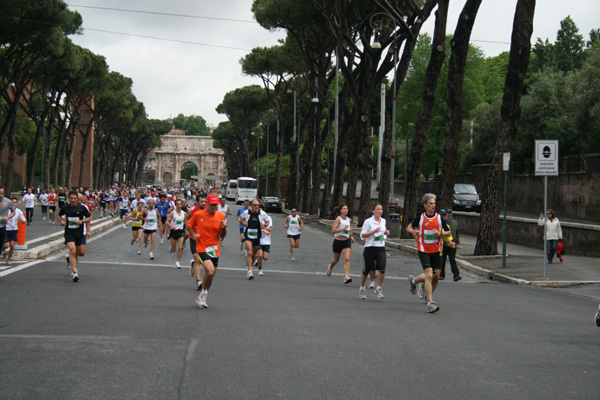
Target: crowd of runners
{"x": 200, "y": 221}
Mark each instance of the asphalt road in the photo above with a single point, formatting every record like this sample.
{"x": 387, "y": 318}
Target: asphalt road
{"x": 130, "y": 330}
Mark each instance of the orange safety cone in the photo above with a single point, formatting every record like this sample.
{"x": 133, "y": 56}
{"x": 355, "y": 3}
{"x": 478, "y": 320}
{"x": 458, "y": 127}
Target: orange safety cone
{"x": 21, "y": 236}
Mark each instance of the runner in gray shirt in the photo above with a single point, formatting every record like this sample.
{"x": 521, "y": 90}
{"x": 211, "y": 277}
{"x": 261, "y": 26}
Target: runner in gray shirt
{"x": 7, "y": 211}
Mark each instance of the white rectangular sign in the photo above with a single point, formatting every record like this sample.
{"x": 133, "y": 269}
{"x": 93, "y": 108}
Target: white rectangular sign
{"x": 506, "y": 162}
{"x": 546, "y": 157}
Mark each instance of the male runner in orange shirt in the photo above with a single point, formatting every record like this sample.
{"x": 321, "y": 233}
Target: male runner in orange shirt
{"x": 207, "y": 227}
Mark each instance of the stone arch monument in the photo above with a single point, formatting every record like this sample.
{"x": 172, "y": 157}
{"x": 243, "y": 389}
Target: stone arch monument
{"x": 177, "y": 150}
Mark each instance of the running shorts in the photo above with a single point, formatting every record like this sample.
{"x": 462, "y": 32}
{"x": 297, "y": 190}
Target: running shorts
{"x": 77, "y": 238}
{"x": 295, "y": 237}
{"x": 149, "y": 231}
{"x": 266, "y": 248}
{"x": 11, "y": 236}
{"x": 430, "y": 260}
{"x": 374, "y": 259}
{"x": 205, "y": 256}
{"x": 176, "y": 234}
{"x": 339, "y": 245}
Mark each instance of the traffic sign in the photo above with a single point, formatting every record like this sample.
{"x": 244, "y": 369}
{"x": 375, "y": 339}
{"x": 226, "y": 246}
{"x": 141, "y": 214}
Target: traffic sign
{"x": 546, "y": 157}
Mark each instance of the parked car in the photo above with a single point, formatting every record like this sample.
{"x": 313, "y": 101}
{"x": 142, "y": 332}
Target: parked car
{"x": 466, "y": 198}
{"x": 272, "y": 204}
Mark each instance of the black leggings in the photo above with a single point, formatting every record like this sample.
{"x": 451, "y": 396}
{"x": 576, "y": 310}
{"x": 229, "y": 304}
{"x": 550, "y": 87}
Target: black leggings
{"x": 374, "y": 259}
{"x": 29, "y": 212}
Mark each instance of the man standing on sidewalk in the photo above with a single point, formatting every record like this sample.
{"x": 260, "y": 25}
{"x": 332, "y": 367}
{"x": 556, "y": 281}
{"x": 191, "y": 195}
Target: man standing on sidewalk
{"x": 450, "y": 251}
{"x": 75, "y": 216}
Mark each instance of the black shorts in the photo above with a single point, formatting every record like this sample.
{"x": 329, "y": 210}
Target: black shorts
{"x": 163, "y": 219}
{"x": 255, "y": 242}
{"x": 149, "y": 231}
{"x": 136, "y": 228}
{"x": 2, "y": 234}
{"x": 52, "y": 208}
{"x": 205, "y": 256}
{"x": 102, "y": 205}
{"x": 176, "y": 234}
{"x": 76, "y": 237}
{"x": 430, "y": 260}
{"x": 339, "y": 245}
{"x": 11, "y": 236}
{"x": 242, "y": 230}
{"x": 193, "y": 246}
{"x": 374, "y": 259}
{"x": 44, "y": 209}
{"x": 265, "y": 248}
{"x": 295, "y": 237}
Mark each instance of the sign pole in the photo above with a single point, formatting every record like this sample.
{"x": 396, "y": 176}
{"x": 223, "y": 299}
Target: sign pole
{"x": 545, "y": 227}
{"x": 506, "y": 166}
{"x": 546, "y": 164}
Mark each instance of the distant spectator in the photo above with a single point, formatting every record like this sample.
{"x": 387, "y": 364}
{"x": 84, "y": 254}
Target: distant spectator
{"x": 553, "y": 232}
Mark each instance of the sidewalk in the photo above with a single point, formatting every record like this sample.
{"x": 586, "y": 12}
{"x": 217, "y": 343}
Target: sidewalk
{"x": 524, "y": 265}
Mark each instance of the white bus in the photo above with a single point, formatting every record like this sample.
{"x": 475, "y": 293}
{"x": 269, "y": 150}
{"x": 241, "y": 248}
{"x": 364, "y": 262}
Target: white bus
{"x": 247, "y": 189}
{"x": 231, "y": 190}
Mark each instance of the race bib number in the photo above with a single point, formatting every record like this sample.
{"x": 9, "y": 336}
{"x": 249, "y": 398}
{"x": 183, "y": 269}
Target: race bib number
{"x": 179, "y": 223}
{"x": 293, "y": 222}
{"x": 72, "y": 222}
{"x": 378, "y": 237}
{"x": 252, "y": 233}
{"x": 429, "y": 237}
{"x": 212, "y": 251}
{"x": 346, "y": 232}
{"x": 51, "y": 203}
{"x": 151, "y": 220}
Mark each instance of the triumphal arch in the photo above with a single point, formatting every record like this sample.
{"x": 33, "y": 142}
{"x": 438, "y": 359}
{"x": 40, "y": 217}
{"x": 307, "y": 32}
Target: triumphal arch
{"x": 177, "y": 151}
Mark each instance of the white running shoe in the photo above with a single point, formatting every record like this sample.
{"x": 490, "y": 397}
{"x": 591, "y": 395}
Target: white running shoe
{"x": 162, "y": 241}
{"x": 420, "y": 291}
{"x": 411, "y": 285}
{"x": 260, "y": 272}
{"x": 293, "y": 259}
{"x": 139, "y": 252}
{"x": 177, "y": 265}
{"x": 379, "y": 293}
{"x": 151, "y": 256}
{"x": 124, "y": 226}
{"x": 68, "y": 261}
{"x": 43, "y": 218}
{"x": 347, "y": 280}
{"x": 329, "y": 270}
{"x": 362, "y": 294}
{"x": 432, "y": 307}
{"x": 250, "y": 275}
{"x": 75, "y": 277}
{"x": 201, "y": 304}
{"x": 372, "y": 285}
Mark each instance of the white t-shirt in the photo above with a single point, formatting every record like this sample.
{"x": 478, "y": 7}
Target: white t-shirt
{"x": 13, "y": 224}
{"x": 378, "y": 238}
{"x": 223, "y": 209}
{"x": 44, "y": 199}
{"x": 265, "y": 238}
{"x": 29, "y": 200}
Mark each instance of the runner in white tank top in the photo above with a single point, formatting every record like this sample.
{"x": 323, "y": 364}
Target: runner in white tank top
{"x": 151, "y": 224}
{"x": 293, "y": 224}
{"x": 342, "y": 242}
{"x": 176, "y": 220}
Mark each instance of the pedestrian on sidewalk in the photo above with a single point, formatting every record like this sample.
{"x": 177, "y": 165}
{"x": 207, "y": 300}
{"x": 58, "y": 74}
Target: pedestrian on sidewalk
{"x": 449, "y": 251}
{"x": 428, "y": 229}
{"x": 553, "y": 232}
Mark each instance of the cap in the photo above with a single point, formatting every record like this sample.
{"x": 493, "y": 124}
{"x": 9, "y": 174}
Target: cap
{"x": 212, "y": 199}
{"x": 443, "y": 211}
{"x": 448, "y": 210}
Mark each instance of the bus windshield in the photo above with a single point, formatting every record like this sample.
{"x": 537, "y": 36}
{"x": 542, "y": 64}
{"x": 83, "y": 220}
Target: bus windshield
{"x": 247, "y": 183}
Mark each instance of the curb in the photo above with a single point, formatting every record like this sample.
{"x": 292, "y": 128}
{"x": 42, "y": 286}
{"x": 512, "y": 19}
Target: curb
{"x": 56, "y": 242}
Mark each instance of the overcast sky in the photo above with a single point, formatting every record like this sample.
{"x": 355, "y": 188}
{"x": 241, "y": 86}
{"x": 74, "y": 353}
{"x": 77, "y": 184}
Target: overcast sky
{"x": 171, "y": 77}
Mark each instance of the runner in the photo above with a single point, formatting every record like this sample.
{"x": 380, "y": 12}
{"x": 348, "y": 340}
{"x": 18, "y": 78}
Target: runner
{"x": 428, "y": 229}
{"x": 163, "y": 208}
{"x": 44, "y": 204}
{"x": 102, "y": 201}
{"x": 241, "y": 226}
{"x": 76, "y": 216}
{"x": 124, "y": 207}
{"x": 196, "y": 271}
{"x": 29, "y": 201}
{"x": 151, "y": 224}
{"x": 87, "y": 228}
{"x": 62, "y": 198}
{"x": 176, "y": 220}
{"x": 254, "y": 222}
{"x": 112, "y": 201}
{"x": 12, "y": 231}
{"x": 51, "y": 206}
{"x": 136, "y": 225}
{"x": 265, "y": 243}
{"x": 224, "y": 208}
{"x": 342, "y": 240}
{"x": 206, "y": 228}
{"x": 294, "y": 224}
{"x": 374, "y": 233}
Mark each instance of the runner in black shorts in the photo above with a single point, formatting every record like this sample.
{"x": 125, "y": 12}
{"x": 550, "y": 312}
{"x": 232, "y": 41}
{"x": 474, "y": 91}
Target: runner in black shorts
{"x": 75, "y": 216}
{"x": 195, "y": 269}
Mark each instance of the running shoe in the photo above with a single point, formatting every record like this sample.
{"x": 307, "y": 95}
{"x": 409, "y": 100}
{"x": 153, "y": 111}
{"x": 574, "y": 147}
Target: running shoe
{"x": 201, "y": 304}
{"x": 161, "y": 241}
{"x": 132, "y": 241}
{"x": 250, "y": 275}
{"x": 420, "y": 291}
{"x": 151, "y": 256}
{"x": 75, "y": 277}
{"x": 598, "y": 317}
{"x": 347, "y": 280}
{"x": 293, "y": 259}
{"x": 432, "y": 307}
{"x": 242, "y": 246}
{"x": 177, "y": 265}
{"x": 68, "y": 261}
{"x": 198, "y": 285}
{"x": 362, "y": 294}
{"x": 329, "y": 270}
{"x": 379, "y": 293}
{"x": 260, "y": 272}
{"x": 7, "y": 262}
{"x": 124, "y": 226}
{"x": 192, "y": 267}
{"x": 139, "y": 253}
{"x": 412, "y": 286}
{"x": 372, "y": 285}
{"x": 255, "y": 263}
{"x": 457, "y": 278}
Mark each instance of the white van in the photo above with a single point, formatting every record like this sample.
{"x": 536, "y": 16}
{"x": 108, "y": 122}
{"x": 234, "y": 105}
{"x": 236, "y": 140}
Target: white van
{"x": 247, "y": 189}
{"x": 231, "y": 190}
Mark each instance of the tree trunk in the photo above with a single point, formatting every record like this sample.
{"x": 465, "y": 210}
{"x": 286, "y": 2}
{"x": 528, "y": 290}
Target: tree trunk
{"x": 355, "y": 163}
{"x": 520, "y": 49}
{"x": 345, "y": 128}
{"x": 417, "y": 150}
{"x": 454, "y": 115}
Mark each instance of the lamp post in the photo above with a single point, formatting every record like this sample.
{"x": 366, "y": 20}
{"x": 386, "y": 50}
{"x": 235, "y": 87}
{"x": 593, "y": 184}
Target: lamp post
{"x": 267, "y": 168}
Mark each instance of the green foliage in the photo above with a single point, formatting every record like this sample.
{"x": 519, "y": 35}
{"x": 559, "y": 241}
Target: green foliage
{"x": 188, "y": 170}
{"x": 194, "y": 125}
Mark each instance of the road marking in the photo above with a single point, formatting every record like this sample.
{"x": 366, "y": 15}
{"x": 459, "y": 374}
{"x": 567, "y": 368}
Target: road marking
{"x": 20, "y": 267}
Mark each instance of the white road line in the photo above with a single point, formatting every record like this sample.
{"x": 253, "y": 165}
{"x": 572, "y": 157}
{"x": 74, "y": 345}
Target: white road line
{"x": 20, "y": 267}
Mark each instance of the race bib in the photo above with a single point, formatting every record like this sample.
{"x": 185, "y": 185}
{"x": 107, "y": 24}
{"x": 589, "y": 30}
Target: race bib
{"x": 151, "y": 220}
{"x": 252, "y": 233}
{"x": 346, "y": 232}
{"x": 51, "y": 203}
{"x": 294, "y": 222}
{"x": 429, "y": 237}
{"x": 72, "y": 222}
{"x": 378, "y": 237}
{"x": 211, "y": 251}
